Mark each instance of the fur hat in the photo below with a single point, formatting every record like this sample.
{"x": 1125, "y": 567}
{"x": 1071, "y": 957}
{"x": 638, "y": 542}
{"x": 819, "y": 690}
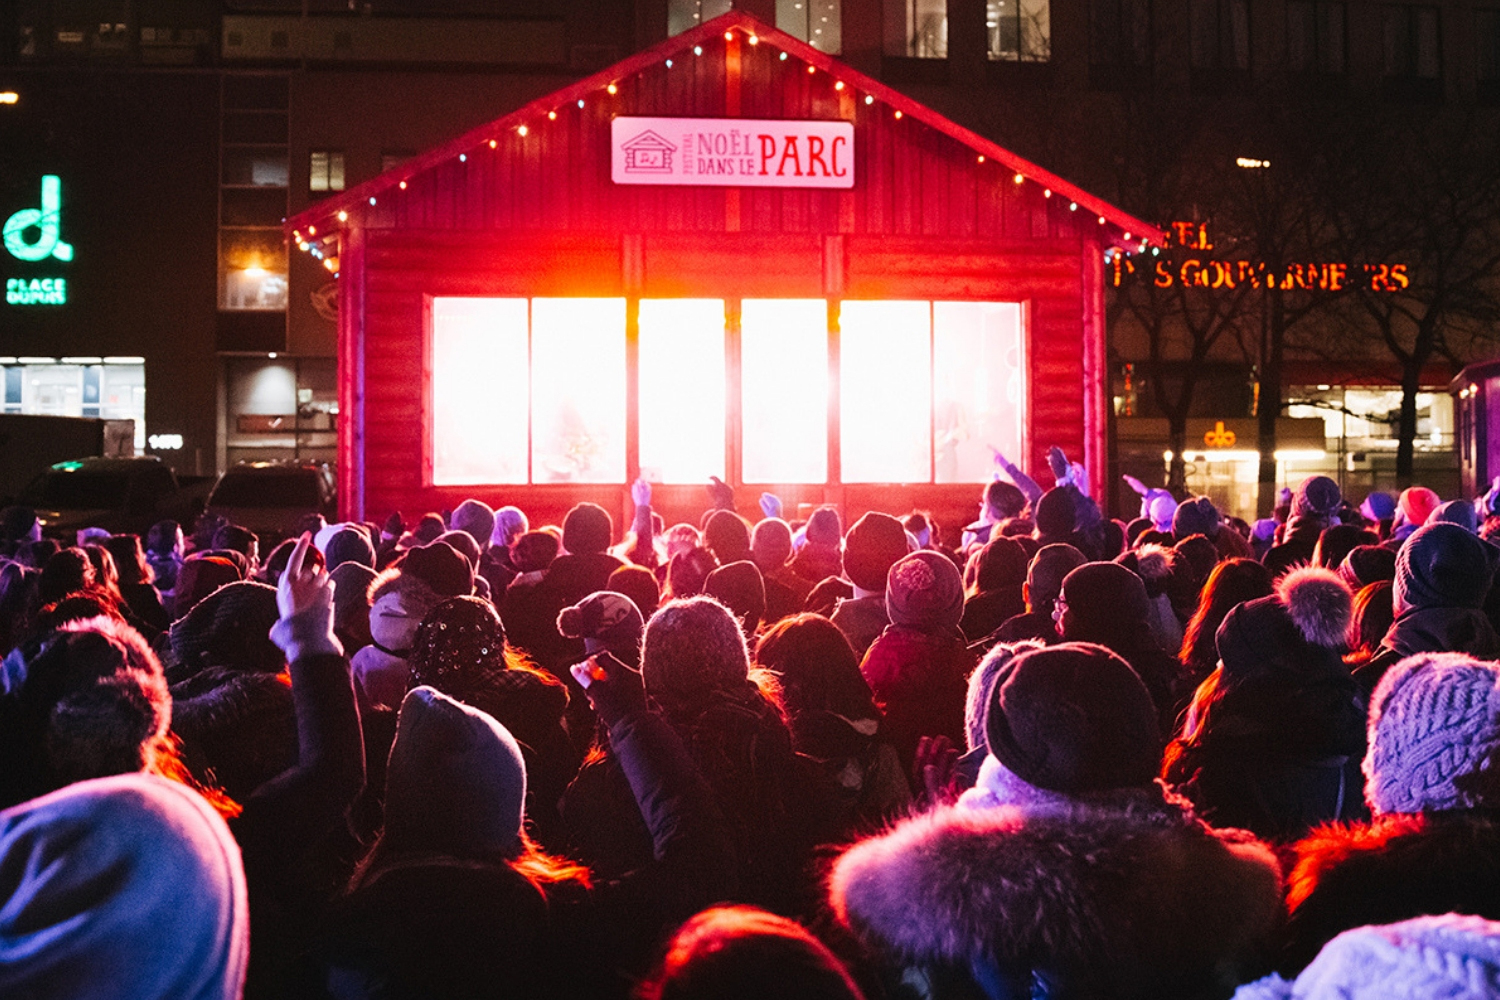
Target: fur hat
{"x": 475, "y": 517}
{"x": 1300, "y": 629}
{"x": 238, "y": 729}
{"x": 605, "y": 620}
{"x": 824, "y": 527}
{"x": 691, "y": 650}
{"x": 874, "y": 543}
{"x": 740, "y": 587}
{"x": 1073, "y": 718}
{"x": 924, "y": 590}
{"x": 1378, "y": 506}
{"x": 1443, "y": 566}
{"x": 1316, "y": 496}
{"x": 1195, "y": 516}
{"x": 1417, "y": 504}
{"x": 533, "y": 551}
{"x": 1434, "y": 735}
{"x": 456, "y": 781}
{"x": 349, "y": 545}
{"x": 229, "y": 628}
{"x": 727, "y": 536}
{"x": 587, "y": 528}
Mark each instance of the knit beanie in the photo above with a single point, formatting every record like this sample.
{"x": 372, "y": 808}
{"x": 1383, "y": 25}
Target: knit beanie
{"x": 1366, "y": 564}
{"x": 1378, "y": 506}
{"x": 230, "y": 628}
{"x": 1000, "y": 563}
{"x": 457, "y": 645}
{"x": 740, "y": 588}
{"x": 587, "y": 528}
{"x": 874, "y": 544}
{"x": 1195, "y": 516}
{"x": 425, "y": 533}
{"x": 1443, "y": 566}
{"x": 824, "y": 527}
{"x": 638, "y": 584}
{"x": 1073, "y": 718}
{"x": 1316, "y": 496}
{"x": 1298, "y": 630}
{"x": 1434, "y": 733}
{"x": 463, "y": 543}
{"x": 1056, "y": 513}
{"x": 1048, "y": 567}
{"x": 118, "y": 888}
{"x": 925, "y": 591}
{"x": 349, "y": 545}
{"x": 475, "y": 517}
{"x": 238, "y": 729}
{"x": 692, "y": 649}
{"x": 534, "y": 551}
{"x": 1452, "y": 956}
{"x": 1459, "y": 512}
{"x": 727, "y": 536}
{"x": 982, "y": 686}
{"x": 605, "y": 620}
{"x": 439, "y": 566}
{"x": 1162, "y": 511}
{"x": 1417, "y": 504}
{"x": 510, "y": 524}
{"x": 456, "y": 781}
{"x": 1104, "y": 599}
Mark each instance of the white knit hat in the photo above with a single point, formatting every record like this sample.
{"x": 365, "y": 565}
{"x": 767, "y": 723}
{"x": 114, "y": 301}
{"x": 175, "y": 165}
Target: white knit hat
{"x": 1434, "y": 734}
{"x": 1450, "y": 956}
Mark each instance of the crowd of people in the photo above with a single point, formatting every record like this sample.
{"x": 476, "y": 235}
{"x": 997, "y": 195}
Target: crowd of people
{"x": 1044, "y": 754}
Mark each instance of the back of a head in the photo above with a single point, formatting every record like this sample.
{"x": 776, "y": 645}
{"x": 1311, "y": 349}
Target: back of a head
{"x": 1299, "y": 631}
{"x": 129, "y": 557}
{"x": 533, "y": 551}
{"x": 587, "y": 529}
{"x": 743, "y": 953}
{"x": 1056, "y": 514}
{"x": 874, "y": 543}
{"x": 1195, "y": 516}
{"x": 476, "y": 518}
{"x": 692, "y": 650}
{"x": 17, "y": 524}
{"x": 510, "y": 524}
{"x": 1106, "y": 603}
{"x": 458, "y": 645}
{"x": 349, "y": 545}
{"x": 824, "y": 527}
{"x": 738, "y": 585}
{"x": 771, "y": 544}
{"x": 817, "y": 667}
{"x": 151, "y": 902}
{"x": 1443, "y": 566}
{"x": 605, "y": 620}
{"x": 1003, "y": 500}
{"x": 688, "y": 572}
{"x": 638, "y": 584}
{"x": 236, "y": 539}
{"x": 1337, "y": 541}
{"x": 67, "y": 571}
{"x": 727, "y": 536}
{"x": 1000, "y": 563}
{"x": 1374, "y": 611}
{"x": 1045, "y": 575}
{"x": 1316, "y": 497}
{"x": 199, "y": 577}
{"x": 924, "y": 591}
{"x": 229, "y": 628}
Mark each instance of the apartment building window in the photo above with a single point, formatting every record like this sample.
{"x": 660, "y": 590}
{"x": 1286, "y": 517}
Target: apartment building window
{"x": 685, "y": 14}
{"x": 1487, "y": 39}
{"x": 1412, "y": 48}
{"x": 1220, "y": 34}
{"x": 1018, "y": 30}
{"x": 916, "y": 29}
{"x": 816, "y": 22}
{"x": 1119, "y": 41}
{"x": 1315, "y": 37}
{"x": 325, "y": 170}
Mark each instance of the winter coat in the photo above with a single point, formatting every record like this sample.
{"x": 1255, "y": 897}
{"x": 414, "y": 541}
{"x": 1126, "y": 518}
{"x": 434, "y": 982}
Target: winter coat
{"x": 987, "y": 610}
{"x": 919, "y": 680}
{"x": 1392, "y": 868}
{"x": 1126, "y": 895}
{"x": 1031, "y": 625}
{"x": 1430, "y": 630}
{"x": 861, "y": 619}
{"x": 815, "y": 561}
{"x": 1298, "y": 540}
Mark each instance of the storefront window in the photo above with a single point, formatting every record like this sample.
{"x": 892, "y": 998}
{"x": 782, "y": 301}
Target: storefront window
{"x": 110, "y": 388}
{"x": 681, "y": 390}
{"x": 784, "y": 384}
{"x": 885, "y": 392}
{"x": 480, "y": 401}
{"x": 979, "y": 387}
{"x": 578, "y": 390}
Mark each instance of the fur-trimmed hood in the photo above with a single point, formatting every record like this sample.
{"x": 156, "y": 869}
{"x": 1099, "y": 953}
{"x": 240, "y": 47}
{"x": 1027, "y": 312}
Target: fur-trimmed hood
{"x": 1127, "y": 895}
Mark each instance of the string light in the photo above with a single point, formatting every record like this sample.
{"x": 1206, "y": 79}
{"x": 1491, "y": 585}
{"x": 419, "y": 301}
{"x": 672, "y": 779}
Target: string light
{"x": 869, "y": 98}
{"x": 839, "y": 85}
{"x": 898, "y": 114}
{"x": 669, "y": 64}
{"x": 343, "y": 216}
{"x": 313, "y": 230}
{"x": 812, "y": 69}
{"x": 981, "y": 159}
{"x": 697, "y": 50}
{"x": 783, "y": 57}
{"x": 521, "y": 131}
{"x": 1101, "y": 220}
{"x": 1018, "y": 178}
{"x": 728, "y": 36}
{"x": 552, "y": 116}
{"x": 612, "y": 89}
{"x": 1047, "y": 193}
{"x": 754, "y": 40}
{"x": 372, "y": 199}
{"x": 463, "y": 157}
{"x": 402, "y": 185}
{"x": 580, "y": 102}
{"x": 492, "y": 143}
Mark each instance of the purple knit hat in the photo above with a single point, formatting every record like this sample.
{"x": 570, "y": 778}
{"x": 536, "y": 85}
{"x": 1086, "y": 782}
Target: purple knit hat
{"x": 924, "y": 590}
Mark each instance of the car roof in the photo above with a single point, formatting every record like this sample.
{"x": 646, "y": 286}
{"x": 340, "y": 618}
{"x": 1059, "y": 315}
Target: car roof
{"x": 100, "y": 464}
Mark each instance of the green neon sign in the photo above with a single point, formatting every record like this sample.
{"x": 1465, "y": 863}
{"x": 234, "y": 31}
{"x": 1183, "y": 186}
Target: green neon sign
{"x": 36, "y": 291}
{"x": 47, "y": 221}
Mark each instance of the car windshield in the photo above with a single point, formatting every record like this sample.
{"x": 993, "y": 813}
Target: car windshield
{"x": 79, "y": 490}
{"x": 267, "y": 488}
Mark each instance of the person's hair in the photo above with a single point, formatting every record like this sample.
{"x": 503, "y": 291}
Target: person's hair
{"x": 1232, "y": 583}
{"x": 1374, "y": 611}
{"x": 741, "y": 952}
{"x": 106, "y": 573}
{"x": 235, "y": 538}
{"x": 535, "y": 865}
{"x": 815, "y": 667}
{"x": 687, "y": 573}
{"x": 19, "y": 604}
{"x": 130, "y": 559}
{"x": 162, "y": 538}
{"x": 68, "y": 571}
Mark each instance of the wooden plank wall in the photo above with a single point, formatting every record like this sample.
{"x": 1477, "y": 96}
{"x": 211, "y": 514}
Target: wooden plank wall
{"x": 539, "y": 215}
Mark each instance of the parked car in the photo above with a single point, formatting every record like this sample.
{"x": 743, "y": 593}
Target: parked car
{"x": 272, "y": 498}
{"x": 117, "y": 494}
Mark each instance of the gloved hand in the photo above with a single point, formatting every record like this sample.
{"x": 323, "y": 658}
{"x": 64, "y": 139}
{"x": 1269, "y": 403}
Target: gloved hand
{"x": 640, "y": 493}
{"x": 720, "y": 493}
{"x": 615, "y": 690}
{"x": 770, "y": 504}
{"x": 393, "y": 526}
{"x": 304, "y": 596}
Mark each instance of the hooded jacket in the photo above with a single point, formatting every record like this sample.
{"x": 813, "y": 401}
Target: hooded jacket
{"x": 1123, "y": 894}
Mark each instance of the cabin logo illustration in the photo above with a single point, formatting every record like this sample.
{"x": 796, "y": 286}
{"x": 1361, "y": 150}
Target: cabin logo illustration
{"x": 648, "y": 153}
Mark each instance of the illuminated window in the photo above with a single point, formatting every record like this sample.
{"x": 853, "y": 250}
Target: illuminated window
{"x": 819, "y": 23}
{"x": 885, "y": 392}
{"x": 685, "y": 14}
{"x": 578, "y": 390}
{"x": 71, "y": 388}
{"x": 325, "y": 170}
{"x": 979, "y": 385}
{"x": 1412, "y": 48}
{"x": 1018, "y": 30}
{"x": 479, "y": 405}
{"x": 1120, "y": 34}
{"x": 682, "y": 399}
{"x": 1220, "y": 34}
{"x": 784, "y": 390}
{"x": 1315, "y": 37}
{"x": 916, "y": 28}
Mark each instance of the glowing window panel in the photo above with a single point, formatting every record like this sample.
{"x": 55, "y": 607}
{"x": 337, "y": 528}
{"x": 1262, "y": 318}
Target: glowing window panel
{"x": 784, "y": 389}
{"x": 885, "y": 392}
{"x": 681, "y": 365}
{"x": 578, "y": 390}
{"x": 479, "y": 406}
{"x": 979, "y": 387}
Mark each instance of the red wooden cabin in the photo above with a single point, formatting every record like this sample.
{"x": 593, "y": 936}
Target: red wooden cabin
{"x": 541, "y": 310}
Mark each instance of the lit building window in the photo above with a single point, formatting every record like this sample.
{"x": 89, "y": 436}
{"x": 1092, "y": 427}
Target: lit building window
{"x": 885, "y": 392}
{"x": 784, "y": 388}
{"x": 685, "y": 14}
{"x": 978, "y": 387}
{"x": 682, "y": 398}
{"x": 325, "y": 170}
{"x": 917, "y": 29}
{"x": 1019, "y": 30}
{"x": 108, "y": 388}
{"x": 578, "y": 390}
{"x": 480, "y": 408}
{"x": 817, "y": 22}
